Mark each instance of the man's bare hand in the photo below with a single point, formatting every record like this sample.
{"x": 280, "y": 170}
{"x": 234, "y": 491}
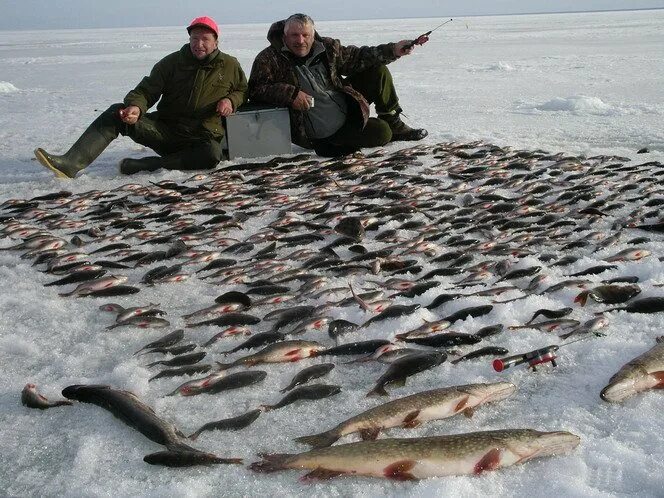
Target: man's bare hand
{"x": 405, "y": 47}
{"x": 302, "y": 101}
{"x": 130, "y": 114}
{"x": 225, "y": 107}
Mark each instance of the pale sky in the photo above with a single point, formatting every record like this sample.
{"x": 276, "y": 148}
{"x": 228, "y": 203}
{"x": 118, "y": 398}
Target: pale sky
{"x": 57, "y": 14}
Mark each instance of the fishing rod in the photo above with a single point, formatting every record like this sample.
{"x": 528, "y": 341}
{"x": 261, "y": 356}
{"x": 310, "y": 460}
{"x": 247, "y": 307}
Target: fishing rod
{"x": 422, "y": 39}
{"x": 534, "y": 358}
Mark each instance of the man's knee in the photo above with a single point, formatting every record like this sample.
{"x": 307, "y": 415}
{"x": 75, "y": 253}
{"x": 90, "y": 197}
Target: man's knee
{"x": 377, "y": 76}
{"x": 377, "y": 133}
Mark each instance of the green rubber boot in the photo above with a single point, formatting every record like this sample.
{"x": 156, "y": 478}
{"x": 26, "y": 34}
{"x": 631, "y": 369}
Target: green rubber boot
{"x": 200, "y": 156}
{"x": 87, "y": 148}
{"x": 131, "y": 166}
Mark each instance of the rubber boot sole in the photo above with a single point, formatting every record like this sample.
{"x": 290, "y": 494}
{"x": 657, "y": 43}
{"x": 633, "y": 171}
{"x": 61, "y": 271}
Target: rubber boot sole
{"x": 40, "y": 154}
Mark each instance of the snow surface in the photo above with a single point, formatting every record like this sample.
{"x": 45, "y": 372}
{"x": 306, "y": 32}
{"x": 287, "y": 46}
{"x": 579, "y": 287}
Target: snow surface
{"x": 577, "y": 83}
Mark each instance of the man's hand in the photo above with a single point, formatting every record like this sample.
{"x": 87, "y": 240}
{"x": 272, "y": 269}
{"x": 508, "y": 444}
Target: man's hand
{"x": 405, "y": 47}
{"x": 130, "y": 114}
{"x": 225, "y": 107}
{"x": 302, "y": 101}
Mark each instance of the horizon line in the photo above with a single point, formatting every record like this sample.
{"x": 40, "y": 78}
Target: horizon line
{"x": 359, "y": 19}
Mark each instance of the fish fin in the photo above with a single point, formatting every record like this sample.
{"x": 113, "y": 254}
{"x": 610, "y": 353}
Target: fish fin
{"x": 370, "y": 434}
{"x": 320, "y": 473}
{"x": 319, "y": 440}
{"x": 410, "y": 421}
{"x": 659, "y": 376}
{"x": 468, "y": 412}
{"x": 379, "y": 390}
{"x": 582, "y": 298}
{"x": 566, "y": 336}
{"x": 490, "y": 461}
{"x": 399, "y": 383}
{"x": 399, "y": 471}
{"x": 271, "y": 462}
{"x": 461, "y": 405}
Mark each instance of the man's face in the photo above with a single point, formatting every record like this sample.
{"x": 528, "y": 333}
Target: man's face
{"x": 202, "y": 42}
{"x": 299, "y": 38}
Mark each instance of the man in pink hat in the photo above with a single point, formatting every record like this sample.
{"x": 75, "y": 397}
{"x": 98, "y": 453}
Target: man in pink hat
{"x": 195, "y": 87}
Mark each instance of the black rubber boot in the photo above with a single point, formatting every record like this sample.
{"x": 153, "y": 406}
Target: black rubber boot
{"x": 201, "y": 156}
{"x": 400, "y": 130}
{"x": 131, "y": 166}
{"x": 86, "y": 149}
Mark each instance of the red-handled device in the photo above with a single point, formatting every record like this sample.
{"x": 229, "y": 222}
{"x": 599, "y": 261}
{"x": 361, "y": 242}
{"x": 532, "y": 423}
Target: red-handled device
{"x": 533, "y": 358}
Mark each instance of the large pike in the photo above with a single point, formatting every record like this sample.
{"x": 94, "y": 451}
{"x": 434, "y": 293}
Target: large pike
{"x": 420, "y": 458}
{"x": 640, "y": 374}
{"x": 411, "y": 411}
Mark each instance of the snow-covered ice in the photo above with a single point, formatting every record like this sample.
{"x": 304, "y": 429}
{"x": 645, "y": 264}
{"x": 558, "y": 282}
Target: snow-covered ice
{"x": 576, "y": 83}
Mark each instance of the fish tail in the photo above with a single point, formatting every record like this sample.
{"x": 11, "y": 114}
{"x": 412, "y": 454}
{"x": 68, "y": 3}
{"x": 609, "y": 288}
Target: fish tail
{"x": 271, "y": 462}
{"x": 228, "y": 461}
{"x": 582, "y": 298}
{"x": 210, "y": 342}
{"x": 321, "y": 440}
{"x": 61, "y": 403}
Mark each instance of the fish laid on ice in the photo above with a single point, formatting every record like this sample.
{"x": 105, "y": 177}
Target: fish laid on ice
{"x": 640, "y": 374}
{"x": 421, "y": 458}
{"x": 411, "y": 411}
{"x": 136, "y": 414}
{"x": 32, "y": 399}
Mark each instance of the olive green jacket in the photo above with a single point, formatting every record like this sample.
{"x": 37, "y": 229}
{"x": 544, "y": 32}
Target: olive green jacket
{"x": 190, "y": 90}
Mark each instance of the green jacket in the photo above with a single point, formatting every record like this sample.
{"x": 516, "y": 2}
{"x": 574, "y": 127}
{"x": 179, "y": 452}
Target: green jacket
{"x": 190, "y": 90}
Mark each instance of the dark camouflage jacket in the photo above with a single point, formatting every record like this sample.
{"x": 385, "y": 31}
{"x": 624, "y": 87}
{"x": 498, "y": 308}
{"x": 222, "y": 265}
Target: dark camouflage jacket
{"x": 273, "y": 80}
{"x": 188, "y": 90}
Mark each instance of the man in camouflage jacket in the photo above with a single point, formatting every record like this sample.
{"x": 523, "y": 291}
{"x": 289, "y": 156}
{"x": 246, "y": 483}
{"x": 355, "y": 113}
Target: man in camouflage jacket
{"x": 195, "y": 87}
{"x": 329, "y": 113}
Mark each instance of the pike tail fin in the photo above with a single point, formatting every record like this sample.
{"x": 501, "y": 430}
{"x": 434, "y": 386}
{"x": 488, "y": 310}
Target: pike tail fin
{"x": 321, "y": 440}
{"x": 272, "y": 462}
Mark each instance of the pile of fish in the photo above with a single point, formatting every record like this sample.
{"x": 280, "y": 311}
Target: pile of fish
{"x": 337, "y": 259}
